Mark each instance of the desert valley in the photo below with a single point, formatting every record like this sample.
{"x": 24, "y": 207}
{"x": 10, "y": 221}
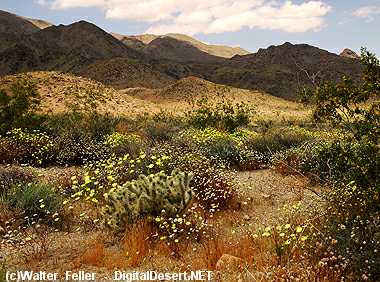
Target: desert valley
{"x": 161, "y": 152}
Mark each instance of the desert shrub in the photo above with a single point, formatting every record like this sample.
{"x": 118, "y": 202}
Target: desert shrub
{"x": 12, "y": 176}
{"x": 351, "y": 225}
{"x": 212, "y": 143}
{"x": 348, "y": 104}
{"x": 223, "y": 114}
{"x": 17, "y": 110}
{"x": 158, "y": 131}
{"x": 349, "y": 168}
{"x": 343, "y": 162}
{"x": 213, "y": 186}
{"x": 33, "y": 199}
{"x": 21, "y": 146}
{"x": 263, "y": 147}
{"x": 94, "y": 125}
{"x": 78, "y": 148}
{"x": 100, "y": 176}
{"x": 78, "y": 138}
{"x": 151, "y": 195}
{"x": 353, "y": 222}
{"x": 122, "y": 144}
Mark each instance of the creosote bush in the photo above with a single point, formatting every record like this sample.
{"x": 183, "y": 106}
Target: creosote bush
{"x": 224, "y": 114}
{"x": 17, "y": 109}
{"x": 33, "y": 199}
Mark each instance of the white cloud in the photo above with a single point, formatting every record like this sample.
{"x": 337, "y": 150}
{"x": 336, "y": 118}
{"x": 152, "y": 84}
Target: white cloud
{"x": 66, "y": 4}
{"x": 367, "y": 12}
{"x": 210, "y": 16}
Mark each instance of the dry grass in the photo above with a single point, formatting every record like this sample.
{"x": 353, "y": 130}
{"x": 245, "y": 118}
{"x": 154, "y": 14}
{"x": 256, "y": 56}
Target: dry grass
{"x": 176, "y": 97}
{"x": 95, "y": 254}
{"x": 137, "y": 242}
{"x": 61, "y": 93}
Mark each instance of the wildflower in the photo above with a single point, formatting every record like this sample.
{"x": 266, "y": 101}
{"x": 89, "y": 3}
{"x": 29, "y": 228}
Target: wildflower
{"x": 287, "y": 226}
{"x": 299, "y": 229}
{"x": 266, "y": 234}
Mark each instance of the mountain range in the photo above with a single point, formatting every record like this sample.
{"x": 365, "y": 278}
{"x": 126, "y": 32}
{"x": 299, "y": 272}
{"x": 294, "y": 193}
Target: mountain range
{"x": 152, "y": 61}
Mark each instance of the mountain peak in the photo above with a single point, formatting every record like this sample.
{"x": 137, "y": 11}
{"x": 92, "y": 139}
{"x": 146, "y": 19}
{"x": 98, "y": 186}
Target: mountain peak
{"x": 348, "y": 53}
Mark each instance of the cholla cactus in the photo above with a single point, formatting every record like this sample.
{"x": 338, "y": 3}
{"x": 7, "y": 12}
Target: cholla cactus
{"x": 148, "y": 196}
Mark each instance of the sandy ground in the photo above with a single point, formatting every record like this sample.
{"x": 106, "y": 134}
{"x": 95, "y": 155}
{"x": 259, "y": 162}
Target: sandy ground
{"x": 261, "y": 194}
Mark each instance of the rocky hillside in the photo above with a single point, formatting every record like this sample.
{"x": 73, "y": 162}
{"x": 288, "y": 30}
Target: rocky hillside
{"x": 13, "y": 28}
{"x": 281, "y": 70}
{"x": 80, "y": 48}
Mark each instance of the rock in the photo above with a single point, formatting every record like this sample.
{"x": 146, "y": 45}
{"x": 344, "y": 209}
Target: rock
{"x": 229, "y": 263}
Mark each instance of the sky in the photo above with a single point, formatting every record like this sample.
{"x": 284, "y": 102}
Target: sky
{"x": 251, "y": 24}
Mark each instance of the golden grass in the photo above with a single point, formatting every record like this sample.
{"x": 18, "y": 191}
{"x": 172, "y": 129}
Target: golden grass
{"x": 61, "y": 93}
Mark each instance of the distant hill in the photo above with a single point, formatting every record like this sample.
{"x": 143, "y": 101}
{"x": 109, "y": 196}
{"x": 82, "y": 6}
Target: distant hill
{"x": 349, "y": 54}
{"x": 41, "y": 24}
{"x": 176, "y": 50}
{"x": 61, "y": 93}
{"x": 124, "y": 73}
{"x": 214, "y": 50}
{"x": 67, "y": 48}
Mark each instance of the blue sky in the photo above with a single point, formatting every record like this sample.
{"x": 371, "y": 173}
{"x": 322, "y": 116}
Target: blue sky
{"x": 251, "y": 24}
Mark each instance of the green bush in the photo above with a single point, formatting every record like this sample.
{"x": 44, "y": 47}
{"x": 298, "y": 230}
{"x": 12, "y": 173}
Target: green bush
{"x": 78, "y": 150}
{"x": 343, "y": 162}
{"x": 350, "y": 174}
{"x": 17, "y": 109}
{"x": 33, "y": 198}
{"x": 263, "y": 147}
{"x": 223, "y": 115}
{"x": 353, "y": 106}
{"x": 158, "y": 131}
{"x": 153, "y": 195}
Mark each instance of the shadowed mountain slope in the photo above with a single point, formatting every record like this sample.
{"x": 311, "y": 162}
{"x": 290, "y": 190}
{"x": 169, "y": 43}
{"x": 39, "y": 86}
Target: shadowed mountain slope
{"x": 281, "y": 70}
{"x": 13, "y": 28}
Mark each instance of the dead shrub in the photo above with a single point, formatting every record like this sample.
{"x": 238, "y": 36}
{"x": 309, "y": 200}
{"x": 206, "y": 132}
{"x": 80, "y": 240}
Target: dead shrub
{"x": 95, "y": 255}
{"x": 137, "y": 242}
